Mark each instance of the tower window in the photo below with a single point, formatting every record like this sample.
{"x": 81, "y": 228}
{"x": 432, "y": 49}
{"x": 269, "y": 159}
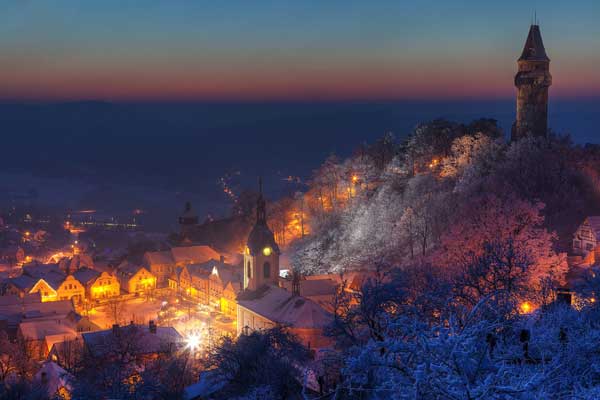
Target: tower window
{"x": 249, "y": 270}
{"x": 267, "y": 270}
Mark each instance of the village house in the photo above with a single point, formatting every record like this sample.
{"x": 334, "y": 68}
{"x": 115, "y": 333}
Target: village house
{"x": 17, "y": 286}
{"x": 229, "y": 298}
{"x": 98, "y": 285}
{"x": 271, "y": 306}
{"x": 41, "y": 334}
{"x": 54, "y": 381}
{"x": 14, "y": 310}
{"x": 135, "y": 278}
{"x": 213, "y": 283}
{"x": 147, "y": 341}
{"x": 192, "y": 281}
{"x": 224, "y": 278}
{"x": 199, "y": 275}
{"x": 71, "y": 289}
{"x": 587, "y": 236}
{"x": 163, "y": 263}
{"x": 48, "y": 279}
{"x": 35, "y": 333}
{"x": 12, "y": 256}
{"x": 319, "y": 288}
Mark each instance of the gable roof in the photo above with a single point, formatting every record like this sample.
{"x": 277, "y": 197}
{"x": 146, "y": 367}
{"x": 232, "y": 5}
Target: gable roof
{"x": 23, "y": 282}
{"x": 40, "y": 329}
{"x": 196, "y": 254}
{"x": 280, "y": 306}
{"x": 182, "y": 255}
{"x": 86, "y": 275}
{"x": 54, "y": 280}
{"x": 159, "y": 257}
{"x": 594, "y": 223}
{"x": 16, "y": 312}
{"x": 128, "y": 269}
{"x": 55, "y": 378}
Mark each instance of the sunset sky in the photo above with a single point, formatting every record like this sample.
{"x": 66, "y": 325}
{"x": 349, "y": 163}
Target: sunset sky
{"x": 288, "y": 50}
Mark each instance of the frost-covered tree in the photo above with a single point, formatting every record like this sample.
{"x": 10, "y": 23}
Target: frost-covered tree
{"x": 492, "y": 221}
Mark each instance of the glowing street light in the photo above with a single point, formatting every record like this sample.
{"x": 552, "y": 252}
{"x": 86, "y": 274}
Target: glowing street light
{"x": 526, "y": 307}
{"x": 193, "y": 342}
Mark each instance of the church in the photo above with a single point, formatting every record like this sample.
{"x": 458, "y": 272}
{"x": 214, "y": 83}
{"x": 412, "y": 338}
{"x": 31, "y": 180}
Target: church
{"x": 262, "y": 303}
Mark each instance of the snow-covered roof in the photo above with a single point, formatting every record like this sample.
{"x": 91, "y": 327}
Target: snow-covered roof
{"x": 196, "y": 254}
{"x": 41, "y": 270}
{"x": 54, "y": 376}
{"x": 40, "y": 329}
{"x": 86, "y": 275}
{"x": 183, "y": 254}
{"x": 128, "y": 269}
{"x": 52, "y": 340}
{"x": 594, "y": 222}
{"x": 23, "y": 282}
{"x": 209, "y": 383}
{"x": 159, "y": 257}
{"x": 17, "y": 312}
{"x": 101, "y": 342}
{"x": 320, "y": 287}
{"x": 8, "y": 300}
{"x": 279, "y": 305}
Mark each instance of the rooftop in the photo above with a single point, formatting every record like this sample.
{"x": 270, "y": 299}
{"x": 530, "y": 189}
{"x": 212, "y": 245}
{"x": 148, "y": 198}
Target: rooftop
{"x": 534, "y": 46}
{"x": 103, "y": 342}
{"x": 279, "y": 305}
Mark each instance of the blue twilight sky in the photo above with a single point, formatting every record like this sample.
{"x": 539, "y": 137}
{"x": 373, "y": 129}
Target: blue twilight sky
{"x": 293, "y": 50}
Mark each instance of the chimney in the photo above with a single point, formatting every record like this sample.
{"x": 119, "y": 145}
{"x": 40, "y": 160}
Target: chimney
{"x": 115, "y": 329}
{"x": 222, "y": 259}
{"x": 152, "y": 326}
{"x": 295, "y": 283}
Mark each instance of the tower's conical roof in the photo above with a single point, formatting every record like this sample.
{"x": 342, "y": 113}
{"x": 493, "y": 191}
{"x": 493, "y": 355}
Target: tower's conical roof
{"x": 534, "y": 46}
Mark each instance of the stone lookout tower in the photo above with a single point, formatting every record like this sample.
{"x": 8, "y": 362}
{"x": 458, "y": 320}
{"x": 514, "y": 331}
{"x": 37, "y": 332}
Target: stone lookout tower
{"x": 532, "y": 81}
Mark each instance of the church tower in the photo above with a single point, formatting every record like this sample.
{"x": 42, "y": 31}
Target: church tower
{"x": 187, "y": 221}
{"x": 261, "y": 257}
{"x": 532, "y": 81}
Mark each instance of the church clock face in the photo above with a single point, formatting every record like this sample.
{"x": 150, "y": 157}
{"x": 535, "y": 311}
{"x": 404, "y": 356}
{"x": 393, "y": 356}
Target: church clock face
{"x": 267, "y": 251}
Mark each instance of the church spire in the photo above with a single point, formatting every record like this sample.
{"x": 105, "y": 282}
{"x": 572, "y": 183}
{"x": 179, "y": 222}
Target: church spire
{"x": 261, "y": 212}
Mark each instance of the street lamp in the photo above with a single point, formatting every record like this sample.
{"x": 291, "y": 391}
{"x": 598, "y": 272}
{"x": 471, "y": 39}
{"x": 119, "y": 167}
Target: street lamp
{"x": 193, "y": 342}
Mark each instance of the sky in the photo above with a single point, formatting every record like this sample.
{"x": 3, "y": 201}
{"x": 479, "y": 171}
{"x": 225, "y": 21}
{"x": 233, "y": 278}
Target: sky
{"x": 124, "y": 50}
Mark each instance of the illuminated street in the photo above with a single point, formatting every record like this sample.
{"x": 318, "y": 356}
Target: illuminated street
{"x": 186, "y": 317}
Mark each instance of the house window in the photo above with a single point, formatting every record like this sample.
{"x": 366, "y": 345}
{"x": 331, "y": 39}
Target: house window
{"x": 267, "y": 270}
{"x": 589, "y": 246}
{"x": 576, "y": 244}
